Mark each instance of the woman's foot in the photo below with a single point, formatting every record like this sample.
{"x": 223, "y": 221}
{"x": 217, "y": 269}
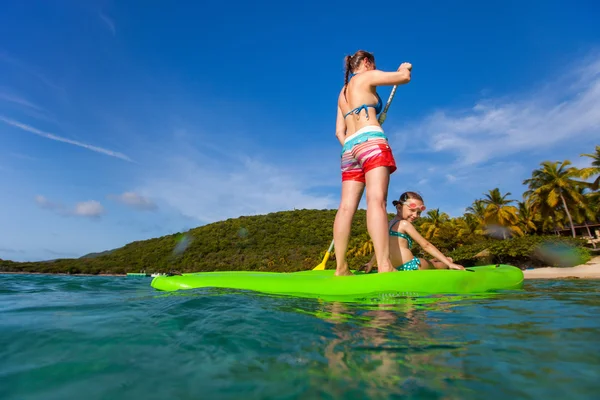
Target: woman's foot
{"x": 386, "y": 268}
{"x": 343, "y": 270}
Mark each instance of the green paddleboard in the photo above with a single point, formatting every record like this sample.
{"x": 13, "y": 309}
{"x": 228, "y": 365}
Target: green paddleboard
{"x": 321, "y": 284}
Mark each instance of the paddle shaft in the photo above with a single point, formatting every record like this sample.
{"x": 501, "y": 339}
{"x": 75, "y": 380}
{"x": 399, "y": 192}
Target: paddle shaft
{"x": 387, "y": 105}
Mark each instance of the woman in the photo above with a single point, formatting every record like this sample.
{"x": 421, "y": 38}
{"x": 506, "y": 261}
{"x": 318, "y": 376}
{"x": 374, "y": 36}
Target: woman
{"x": 367, "y": 159}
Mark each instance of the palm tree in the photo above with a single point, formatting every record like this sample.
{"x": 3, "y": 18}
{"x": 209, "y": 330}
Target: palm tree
{"x": 594, "y": 169}
{"x": 586, "y": 211}
{"x": 593, "y": 200}
{"x": 476, "y": 214}
{"x": 433, "y": 222}
{"x": 466, "y": 225}
{"x": 499, "y": 212}
{"x": 367, "y": 248}
{"x": 553, "y": 184}
{"x": 526, "y": 217}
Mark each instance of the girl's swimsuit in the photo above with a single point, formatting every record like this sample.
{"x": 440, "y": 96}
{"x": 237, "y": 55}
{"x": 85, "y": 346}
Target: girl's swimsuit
{"x": 411, "y": 265}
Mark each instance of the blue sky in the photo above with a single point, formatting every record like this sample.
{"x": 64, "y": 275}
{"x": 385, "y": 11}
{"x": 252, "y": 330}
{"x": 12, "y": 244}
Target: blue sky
{"x": 122, "y": 121}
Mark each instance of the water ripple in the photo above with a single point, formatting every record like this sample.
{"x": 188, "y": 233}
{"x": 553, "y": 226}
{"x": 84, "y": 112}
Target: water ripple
{"x": 117, "y": 338}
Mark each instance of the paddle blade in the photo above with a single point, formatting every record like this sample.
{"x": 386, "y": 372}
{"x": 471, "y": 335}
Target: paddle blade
{"x": 321, "y": 266}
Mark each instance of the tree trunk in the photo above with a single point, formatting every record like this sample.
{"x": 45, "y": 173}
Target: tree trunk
{"x": 589, "y": 233}
{"x": 588, "y": 229}
{"x": 568, "y": 213}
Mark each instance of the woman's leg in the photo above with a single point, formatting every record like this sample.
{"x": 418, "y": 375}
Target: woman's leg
{"x": 351, "y": 193}
{"x": 377, "y": 219}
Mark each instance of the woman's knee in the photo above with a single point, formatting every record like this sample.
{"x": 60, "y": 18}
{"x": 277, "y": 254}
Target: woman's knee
{"x": 347, "y": 207}
{"x": 376, "y": 199}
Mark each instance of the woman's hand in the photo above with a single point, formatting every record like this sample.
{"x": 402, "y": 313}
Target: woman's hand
{"x": 455, "y": 266}
{"x": 406, "y": 65}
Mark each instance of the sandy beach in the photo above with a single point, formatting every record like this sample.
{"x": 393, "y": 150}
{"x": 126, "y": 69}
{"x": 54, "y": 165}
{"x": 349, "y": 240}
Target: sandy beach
{"x": 589, "y": 270}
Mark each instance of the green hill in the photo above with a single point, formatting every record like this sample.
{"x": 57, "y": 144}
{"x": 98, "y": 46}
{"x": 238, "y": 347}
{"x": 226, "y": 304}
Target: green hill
{"x": 292, "y": 241}
{"x": 283, "y": 241}
{"x": 98, "y": 254}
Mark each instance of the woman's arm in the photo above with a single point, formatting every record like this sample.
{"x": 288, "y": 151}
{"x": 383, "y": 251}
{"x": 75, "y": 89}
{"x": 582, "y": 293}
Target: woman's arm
{"x": 340, "y": 126}
{"x": 426, "y": 245}
{"x": 380, "y": 78}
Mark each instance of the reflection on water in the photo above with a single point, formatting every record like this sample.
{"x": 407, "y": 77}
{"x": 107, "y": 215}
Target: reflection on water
{"x": 100, "y": 338}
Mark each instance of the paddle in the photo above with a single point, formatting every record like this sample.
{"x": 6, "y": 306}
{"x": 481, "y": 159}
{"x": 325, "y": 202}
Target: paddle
{"x": 381, "y": 119}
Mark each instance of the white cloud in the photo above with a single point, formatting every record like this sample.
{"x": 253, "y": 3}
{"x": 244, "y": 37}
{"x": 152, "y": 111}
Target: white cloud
{"x": 211, "y": 192}
{"x": 110, "y": 24}
{"x": 11, "y": 250}
{"x": 463, "y": 154}
{"x": 44, "y": 203}
{"x": 134, "y": 200}
{"x": 91, "y": 208}
{"x": 51, "y": 136}
{"x": 25, "y": 106}
{"x": 23, "y": 156}
{"x": 34, "y": 71}
{"x": 11, "y": 98}
{"x": 564, "y": 110}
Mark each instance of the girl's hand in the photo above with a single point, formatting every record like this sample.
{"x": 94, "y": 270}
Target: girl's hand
{"x": 406, "y": 65}
{"x": 368, "y": 267}
{"x": 455, "y": 266}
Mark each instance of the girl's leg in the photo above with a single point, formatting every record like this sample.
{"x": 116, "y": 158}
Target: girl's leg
{"x": 377, "y": 220}
{"x": 425, "y": 264}
{"x": 433, "y": 264}
{"x": 438, "y": 264}
{"x": 351, "y": 193}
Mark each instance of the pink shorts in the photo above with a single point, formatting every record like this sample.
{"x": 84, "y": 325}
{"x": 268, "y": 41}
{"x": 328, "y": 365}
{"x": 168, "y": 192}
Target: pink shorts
{"x": 366, "y": 149}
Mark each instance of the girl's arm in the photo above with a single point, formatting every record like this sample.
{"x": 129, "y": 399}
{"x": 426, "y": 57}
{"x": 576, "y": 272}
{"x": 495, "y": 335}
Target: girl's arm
{"x": 368, "y": 267}
{"x": 408, "y": 228}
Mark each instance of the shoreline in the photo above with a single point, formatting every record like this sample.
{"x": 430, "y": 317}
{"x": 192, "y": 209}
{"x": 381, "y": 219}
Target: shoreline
{"x": 589, "y": 270}
{"x": 57, "y": 273}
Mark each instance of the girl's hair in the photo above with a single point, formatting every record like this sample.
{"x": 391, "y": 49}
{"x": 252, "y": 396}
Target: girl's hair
{"x": 353, "y": 62}
{"x": 407, "y": 195}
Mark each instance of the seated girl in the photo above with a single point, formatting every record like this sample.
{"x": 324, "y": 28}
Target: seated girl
{"x": 402, "y": 233}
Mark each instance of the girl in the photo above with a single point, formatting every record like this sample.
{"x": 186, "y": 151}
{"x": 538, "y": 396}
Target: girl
{"x": 401, "y": 235}
{"x": 366, "y": 158}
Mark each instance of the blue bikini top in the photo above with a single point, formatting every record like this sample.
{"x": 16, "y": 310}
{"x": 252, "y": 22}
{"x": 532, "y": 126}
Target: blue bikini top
{"x": 378, "y": 107}
{"x": 400, "y": 234}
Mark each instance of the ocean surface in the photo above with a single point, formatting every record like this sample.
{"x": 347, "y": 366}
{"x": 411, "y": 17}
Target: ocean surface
{"x": 75, "y": 337}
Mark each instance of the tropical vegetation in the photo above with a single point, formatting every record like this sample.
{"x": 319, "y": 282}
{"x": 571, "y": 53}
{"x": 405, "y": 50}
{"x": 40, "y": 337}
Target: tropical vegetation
{"x": 496, "y": 228}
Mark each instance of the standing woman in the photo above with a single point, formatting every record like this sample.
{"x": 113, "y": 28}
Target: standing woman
{"x": 367, "y": 158}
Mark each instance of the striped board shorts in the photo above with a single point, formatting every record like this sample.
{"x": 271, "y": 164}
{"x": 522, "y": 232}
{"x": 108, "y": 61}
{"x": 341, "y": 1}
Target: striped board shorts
{"x": 366, "y": 149}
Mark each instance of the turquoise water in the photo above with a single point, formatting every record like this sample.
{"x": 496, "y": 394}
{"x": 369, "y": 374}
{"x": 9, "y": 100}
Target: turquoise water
{"x": 116, "y": 338}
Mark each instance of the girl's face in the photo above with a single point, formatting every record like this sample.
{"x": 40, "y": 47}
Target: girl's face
{"x": 411, "y": 209}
